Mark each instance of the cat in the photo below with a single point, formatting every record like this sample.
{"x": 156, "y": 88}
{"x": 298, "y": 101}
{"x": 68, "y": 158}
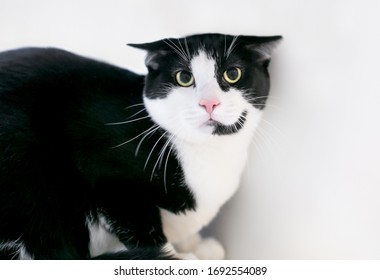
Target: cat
{"x": 100, "y": 162}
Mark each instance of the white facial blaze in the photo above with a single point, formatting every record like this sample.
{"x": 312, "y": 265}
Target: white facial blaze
{"x": 203, "y": 70}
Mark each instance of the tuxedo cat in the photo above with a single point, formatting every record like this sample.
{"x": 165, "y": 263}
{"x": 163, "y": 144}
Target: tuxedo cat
{"x": 97, "y": 161}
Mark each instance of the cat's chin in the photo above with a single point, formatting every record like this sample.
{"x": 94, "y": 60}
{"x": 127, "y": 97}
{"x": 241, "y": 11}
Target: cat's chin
{"x": 218, "y": 128}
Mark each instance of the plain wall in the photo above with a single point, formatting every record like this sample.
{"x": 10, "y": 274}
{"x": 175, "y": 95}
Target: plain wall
{"x": 312, "y": 185}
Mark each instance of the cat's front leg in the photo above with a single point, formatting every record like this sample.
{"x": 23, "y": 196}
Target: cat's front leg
{"x": 130, "y": 213}
{"x": 182, "y": 230}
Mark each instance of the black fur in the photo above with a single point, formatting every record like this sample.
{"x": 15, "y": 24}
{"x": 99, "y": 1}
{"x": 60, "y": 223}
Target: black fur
{"x": 58, "y": 161}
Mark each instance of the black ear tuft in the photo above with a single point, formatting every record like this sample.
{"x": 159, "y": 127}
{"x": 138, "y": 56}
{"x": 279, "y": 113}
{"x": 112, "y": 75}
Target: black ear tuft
{"x": 152, "y": 46}
{"x": 155, "y": 50}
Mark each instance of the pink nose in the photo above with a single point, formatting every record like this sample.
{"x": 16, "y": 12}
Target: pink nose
{"x": 209, "y": 104}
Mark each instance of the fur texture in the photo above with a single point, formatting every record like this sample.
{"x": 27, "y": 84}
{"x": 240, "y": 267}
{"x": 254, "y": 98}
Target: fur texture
{"x": 96, "y": 159}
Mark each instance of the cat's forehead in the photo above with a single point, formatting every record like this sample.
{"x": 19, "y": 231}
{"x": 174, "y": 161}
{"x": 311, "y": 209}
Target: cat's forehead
{"x": 214, "y": 46}
{"x": 203, "y": 66}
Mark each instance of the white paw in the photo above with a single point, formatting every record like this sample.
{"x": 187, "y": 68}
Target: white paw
{"x": 202, "y": 249}
{"x": 209, "y": 249}
{"x": 186, "y": 256}
{"x": 189, "y": 244}
{"x": 169, "y": 248}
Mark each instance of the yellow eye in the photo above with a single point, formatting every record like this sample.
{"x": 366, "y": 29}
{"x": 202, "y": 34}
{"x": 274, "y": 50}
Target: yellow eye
{"x": 232, "y": 75}
{"x": 184, "y": 78}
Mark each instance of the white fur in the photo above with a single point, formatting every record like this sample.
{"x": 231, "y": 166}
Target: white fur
{"x": 101, "y": 239}
{"x": 18, "y": 246}
{"x": 212, "y": 164}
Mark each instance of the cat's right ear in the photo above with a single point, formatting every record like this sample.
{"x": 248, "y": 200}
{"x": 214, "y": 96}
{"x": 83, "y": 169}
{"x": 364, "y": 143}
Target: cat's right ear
{"x": 262, "y": 45}
{"x": 155, "y": 50}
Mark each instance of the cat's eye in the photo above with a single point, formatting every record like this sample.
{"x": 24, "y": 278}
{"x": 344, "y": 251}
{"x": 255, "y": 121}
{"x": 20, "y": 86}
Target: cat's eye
{"x": 184, "y": 78}
{"x": 232, "y": 75}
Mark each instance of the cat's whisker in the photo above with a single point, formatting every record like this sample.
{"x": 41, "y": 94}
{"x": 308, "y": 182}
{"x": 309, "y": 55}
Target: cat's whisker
{"x": 129, "y": 121}
{"x": 160, "y": 159}
{"x": 166, "y": 165}
{"x": 253, "y": 100}
{"x": 240, "y": 122}
{"x": 154, "y": 146}
{"x": 225, "y": 45}
{"x": 269, "y": 98}
{"x": 176, "y": 49}
{"x": 187, "y": 49}
{"x": 163, "y": 150}
{"x": 262, "y": 136}
{"x": 126, "y": 142}
{"x": 266, "y": 138}
{"x": 232, "y": 46}
{"x": 168, "y": 143}
{"x": 258, "y": 148}
{"x": 267, "y": 105}
{"x": 183, "y": 51}
{"x": 274, "y": 127}
{"x": 148, "y": 134}
{"x": 134, "y": 105}
{"x": 250, "y": 93}
{"x": 135, "y": 114}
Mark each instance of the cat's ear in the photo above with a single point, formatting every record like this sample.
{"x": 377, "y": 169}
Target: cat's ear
{"x": 263, "y": 46}
{"x": 155, "y": 51}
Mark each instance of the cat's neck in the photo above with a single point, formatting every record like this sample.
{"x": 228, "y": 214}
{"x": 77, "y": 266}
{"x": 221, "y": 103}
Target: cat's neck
{"x": 212, "y": 170}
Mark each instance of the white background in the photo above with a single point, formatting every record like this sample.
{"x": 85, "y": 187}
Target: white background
{"x": 311, "y": 189}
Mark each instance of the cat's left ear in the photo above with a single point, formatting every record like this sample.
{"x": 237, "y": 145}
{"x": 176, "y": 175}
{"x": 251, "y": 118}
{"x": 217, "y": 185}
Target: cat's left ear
{"x": 263, "y": 45}
{"x": 155, "y": 50}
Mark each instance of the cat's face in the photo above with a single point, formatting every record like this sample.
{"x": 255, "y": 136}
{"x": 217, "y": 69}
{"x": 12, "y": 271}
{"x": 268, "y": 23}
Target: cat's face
{"x": 206, "y": 86}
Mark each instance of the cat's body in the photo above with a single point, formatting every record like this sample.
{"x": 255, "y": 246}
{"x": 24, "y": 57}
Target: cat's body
{"x": 90, "y": 165}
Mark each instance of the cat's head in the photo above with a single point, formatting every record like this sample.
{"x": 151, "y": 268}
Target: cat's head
{"x": 209, "y": 85}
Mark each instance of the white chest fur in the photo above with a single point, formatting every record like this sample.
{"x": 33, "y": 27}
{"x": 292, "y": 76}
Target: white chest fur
{"x": 212, "y": 171}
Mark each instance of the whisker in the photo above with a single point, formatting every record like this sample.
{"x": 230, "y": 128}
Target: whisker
{"x": 267, "y": 105}
{"x": 160, "y": 157}
{"x": 150, "y": 154}
{"x": 187, "y": 49}
{"x": 166, "y": 165}
{"x": 258, "y": 148}
{"x": 126, "y": 142}
{"x": 265, "y": 137}
{"x": 183, "y": 51}
{"x": 125, "y": 122}
{"x": 134, "y": 105}
{"x": 175, "y": 48}
{"x": 274, "y": 127}
{"x": 225, "y": 45}
{"x": 232, "y": 46}
{"x": 161, "y": 153}
{"x": 135, "y": 114}
{"x": 154, "y": 128}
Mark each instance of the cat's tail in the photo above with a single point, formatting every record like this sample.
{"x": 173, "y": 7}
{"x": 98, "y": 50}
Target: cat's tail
{"x": 150, "y": 253}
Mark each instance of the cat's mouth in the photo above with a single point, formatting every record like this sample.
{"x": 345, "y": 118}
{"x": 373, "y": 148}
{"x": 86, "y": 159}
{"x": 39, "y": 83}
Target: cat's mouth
{"x": 222, "y": 129}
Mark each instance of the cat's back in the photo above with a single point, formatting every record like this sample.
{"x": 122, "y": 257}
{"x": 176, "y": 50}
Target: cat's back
{"x": 49, "y": 83}
{"x": 51, "y": 99}
{"x": 34, "y": 71}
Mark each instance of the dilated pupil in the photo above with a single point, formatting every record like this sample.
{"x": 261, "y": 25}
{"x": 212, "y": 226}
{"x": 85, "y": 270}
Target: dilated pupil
{"x": 185, "y": 77}
{"x": 232, "y": 73}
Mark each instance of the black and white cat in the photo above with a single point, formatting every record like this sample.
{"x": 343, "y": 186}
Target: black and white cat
{"x": 95, "y": 159}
